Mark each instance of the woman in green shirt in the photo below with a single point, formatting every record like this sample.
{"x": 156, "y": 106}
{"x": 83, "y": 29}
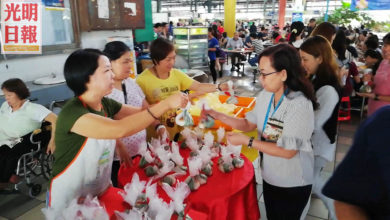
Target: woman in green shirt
{"x": 88, "y": 126}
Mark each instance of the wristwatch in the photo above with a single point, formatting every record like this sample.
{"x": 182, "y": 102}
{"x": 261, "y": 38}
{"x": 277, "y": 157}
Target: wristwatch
{"x": 219, "y": 87}
{"x": 376, "y": 97}
{"x": 251, "y": 142}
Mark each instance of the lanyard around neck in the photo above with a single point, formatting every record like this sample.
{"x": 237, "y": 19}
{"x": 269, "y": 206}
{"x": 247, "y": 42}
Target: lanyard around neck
{"x": 269, "y": 109}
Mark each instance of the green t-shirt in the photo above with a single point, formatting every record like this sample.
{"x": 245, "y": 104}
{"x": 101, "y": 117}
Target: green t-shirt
{"x": 68, "y": 143}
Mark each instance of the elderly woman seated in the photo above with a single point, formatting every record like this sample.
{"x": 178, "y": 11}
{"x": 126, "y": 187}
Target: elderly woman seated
{"x": 19, "y": 117}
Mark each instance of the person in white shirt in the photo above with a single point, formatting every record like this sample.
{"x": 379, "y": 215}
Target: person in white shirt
{"x": 321, "y": 67}
{"x": 126, "y": 91}
{"x": 234, "y": 44}
{"x": 19, "y": 117}
{"x": 284, "y": 119}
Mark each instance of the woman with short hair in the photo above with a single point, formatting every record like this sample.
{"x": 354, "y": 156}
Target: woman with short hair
{"x": 19, "y": 117}
{"x": 88, "y": 126}
{"x": 161, "y": 80}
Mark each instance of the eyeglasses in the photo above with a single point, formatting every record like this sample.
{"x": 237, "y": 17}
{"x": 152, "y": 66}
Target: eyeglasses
{"x": 266, "y": 74}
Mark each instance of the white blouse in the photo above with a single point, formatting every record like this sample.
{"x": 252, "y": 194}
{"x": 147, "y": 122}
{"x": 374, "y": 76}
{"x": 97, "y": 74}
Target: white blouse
{"x": 15, "y": 124}
{"x": 296, "y": 117}
{"x": 135, "y": 97}
{"x": 327, "y": 99}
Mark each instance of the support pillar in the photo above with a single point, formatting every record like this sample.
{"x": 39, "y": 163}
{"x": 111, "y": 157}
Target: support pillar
{"x": 158, "y": 6}
{"x": 282, "y": 13}
{"x": 327, "y": 9}
{"x": 230, "y": 17}
{"x": 264, "y": 12}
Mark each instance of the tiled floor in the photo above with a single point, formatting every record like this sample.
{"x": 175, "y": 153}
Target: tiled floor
{"x": 20, "y": 206}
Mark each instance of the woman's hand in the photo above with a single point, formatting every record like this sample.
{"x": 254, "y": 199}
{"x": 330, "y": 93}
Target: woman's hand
{"x": 122, "y": 154}
{"x": 210, "y": 112}
{"x": 237, "y": 138}
{"x": 367, "y": 95}
{"x": 178, "y": 100}
{"x": 195, "y": 94}
{"x": 224, "y": 87}
{"x": 50, "y": 147}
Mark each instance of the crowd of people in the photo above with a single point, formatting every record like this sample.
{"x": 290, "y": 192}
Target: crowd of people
{"x": 338, "y": 61}
{"x": 305, "y": 73}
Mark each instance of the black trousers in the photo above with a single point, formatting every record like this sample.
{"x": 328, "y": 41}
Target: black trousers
{"x": 213, "y": 71}
{"x": 9, "y": 156}
{"x": 240, "y": 57}
{"x": 116, "y": 164}
{"x": 285, "y": 203}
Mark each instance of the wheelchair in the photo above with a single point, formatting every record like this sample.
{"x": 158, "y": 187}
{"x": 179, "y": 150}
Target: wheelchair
{"x": 56, "y": 106}
{"x": 36, "y": 162}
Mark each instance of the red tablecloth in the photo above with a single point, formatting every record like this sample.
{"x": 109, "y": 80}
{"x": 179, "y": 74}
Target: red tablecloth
{"x": 224, "y": 196}
{"x": 113, "y": 201}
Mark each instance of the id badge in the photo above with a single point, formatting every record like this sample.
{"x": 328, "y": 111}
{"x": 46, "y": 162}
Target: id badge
{"x": 273, "y": 130}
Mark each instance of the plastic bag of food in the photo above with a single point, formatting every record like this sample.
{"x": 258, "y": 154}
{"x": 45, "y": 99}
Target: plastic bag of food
{"x": 184, "y": 118}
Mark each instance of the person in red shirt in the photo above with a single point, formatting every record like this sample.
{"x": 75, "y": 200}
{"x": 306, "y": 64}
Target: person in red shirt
{"x": 220, "y": 27}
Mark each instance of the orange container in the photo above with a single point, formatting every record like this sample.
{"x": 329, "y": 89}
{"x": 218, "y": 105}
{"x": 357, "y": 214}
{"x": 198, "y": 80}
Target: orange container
{"x": 243, "y": 101}
{"x": 244, "y": 105}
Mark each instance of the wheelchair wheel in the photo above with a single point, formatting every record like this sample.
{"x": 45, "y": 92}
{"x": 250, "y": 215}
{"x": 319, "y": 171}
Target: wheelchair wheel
{"x": 46, "y": 161}
{"x": 34, "y": 190}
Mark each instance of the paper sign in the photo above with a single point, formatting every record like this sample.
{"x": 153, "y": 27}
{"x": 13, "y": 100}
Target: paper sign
{"x": 21, "y": 27}
{"x": 132, "y": 7}
{"x": 103, "y": 10}
{"x": 370, "y": 5}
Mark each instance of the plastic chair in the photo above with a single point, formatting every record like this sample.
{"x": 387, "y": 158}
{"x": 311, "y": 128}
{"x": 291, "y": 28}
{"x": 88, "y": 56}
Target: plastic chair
{"x": 345, "y": 113}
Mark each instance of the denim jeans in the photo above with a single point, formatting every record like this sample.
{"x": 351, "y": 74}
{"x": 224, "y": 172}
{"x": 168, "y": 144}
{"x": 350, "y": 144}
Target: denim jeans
{"x": 254, "y": 61}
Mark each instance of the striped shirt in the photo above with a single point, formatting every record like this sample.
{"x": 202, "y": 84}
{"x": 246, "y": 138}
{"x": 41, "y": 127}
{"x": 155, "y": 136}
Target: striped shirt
{"x": 258, "y": 45}
{"x": 296, "y": 116}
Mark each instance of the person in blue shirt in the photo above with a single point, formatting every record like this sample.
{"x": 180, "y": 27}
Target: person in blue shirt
{"x": 213, "y": 46}
{"x": 170, "y": 29}
{"x": 360, "y": 185}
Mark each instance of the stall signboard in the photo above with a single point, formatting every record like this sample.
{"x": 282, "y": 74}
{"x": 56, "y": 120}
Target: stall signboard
{"x": 199, "y": 31}
{"x": 370, "y": 5}
{"x": 21, "y": 23}
{"x": 180, "y": 31}
{"x": 297, "y": 16}
{"x": 54, "y": 3}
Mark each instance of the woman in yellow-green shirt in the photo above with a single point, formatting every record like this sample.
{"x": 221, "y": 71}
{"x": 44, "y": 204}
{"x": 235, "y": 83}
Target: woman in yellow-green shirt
{"x": 162, "y": 80}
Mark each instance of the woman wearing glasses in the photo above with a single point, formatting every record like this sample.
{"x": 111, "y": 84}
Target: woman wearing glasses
{"x": 321, "y": 67}
{"x": 284, "y": 118}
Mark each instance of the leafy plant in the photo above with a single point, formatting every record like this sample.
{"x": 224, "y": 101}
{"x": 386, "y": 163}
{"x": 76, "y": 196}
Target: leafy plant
{"x": 344, "y": 16}
{"x": 381, "y": 27}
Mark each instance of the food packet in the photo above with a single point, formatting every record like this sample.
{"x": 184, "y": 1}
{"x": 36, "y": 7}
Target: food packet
{"x": 133, "y": 190}
{"x": 206, "y": 121}
{"x": 225, "y": 164}
{"x": 232, "y": 99}
{"x": 184, "y": 118}
{"x": 177, "y": 194}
